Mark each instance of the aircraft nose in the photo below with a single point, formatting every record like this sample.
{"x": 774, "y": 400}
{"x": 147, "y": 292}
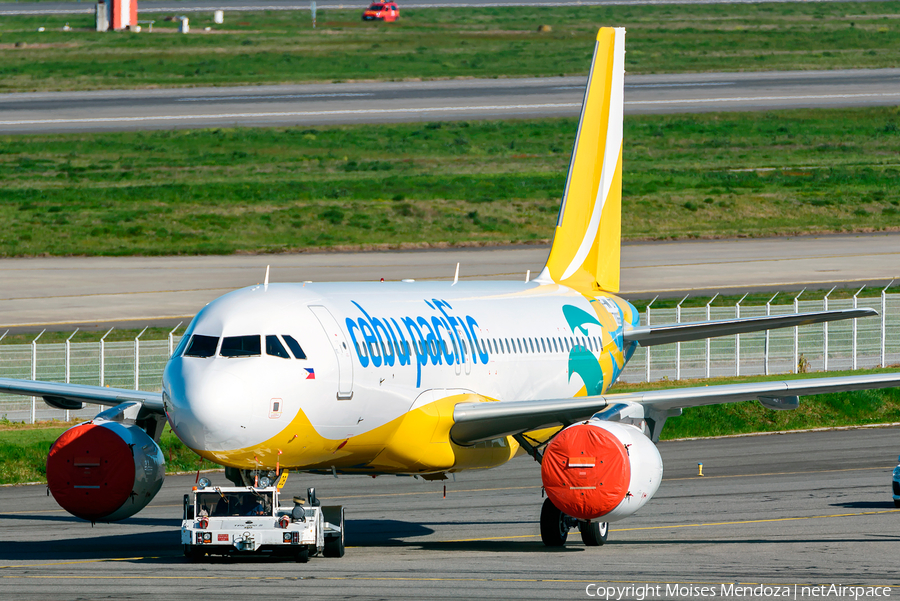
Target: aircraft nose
{"x": 206, "y": 407}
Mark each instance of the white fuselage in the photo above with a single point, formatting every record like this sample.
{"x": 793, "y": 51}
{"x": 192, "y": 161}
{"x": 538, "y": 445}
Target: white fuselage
{"x": 376, "y": 351}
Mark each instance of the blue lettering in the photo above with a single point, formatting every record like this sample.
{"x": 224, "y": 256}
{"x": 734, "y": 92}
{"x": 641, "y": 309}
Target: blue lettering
{"x": 470, "y": 321}
{"x": 448, "y": 351}
{"x": 401, "y": 345}
{"x": 431, "y": 342}
{"x": 371, "y": 341}
{"x": 382, "y": 341}
{"x": 453, "y": 323}
{"x": 363, "y": 359}
{"x": 421, "y": 356}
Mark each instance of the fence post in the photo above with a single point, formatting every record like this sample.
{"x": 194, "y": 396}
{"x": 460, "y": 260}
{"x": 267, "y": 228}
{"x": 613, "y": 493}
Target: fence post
{"x": 103, "y": 362}
{"x": 825, "y": 341}
{"x": 648, "y": 323}
{"x": 137, "y": 359}
{"x": 708, "y": 318}
{"x": 766, "y": 348}
{"x": 854, "y": 326}
{"x": 678, "y": 344}
{"x": 172, "y": 339}
{"x": 884, "y": 322}
{"x": 68, "y": 365}
{"x": 797, "y": 334}
{"x": 34, "y": 375}
{"x": 737, "y": 338}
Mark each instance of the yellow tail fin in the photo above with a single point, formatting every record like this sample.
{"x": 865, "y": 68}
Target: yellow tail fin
{"x": 586, "y": 245}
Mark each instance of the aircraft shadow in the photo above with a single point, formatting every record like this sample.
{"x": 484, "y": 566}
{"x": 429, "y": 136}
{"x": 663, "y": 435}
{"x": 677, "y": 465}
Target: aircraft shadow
{"x": 70, "y": 519}
{"x": 395, "y": 533}
{"x": 371, "y": 533}
{"x": 866, "y": 505}
{"x": 165, "y": 543}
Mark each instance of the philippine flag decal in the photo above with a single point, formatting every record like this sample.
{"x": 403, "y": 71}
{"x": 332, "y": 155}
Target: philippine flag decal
{"x": 310, "y": 373}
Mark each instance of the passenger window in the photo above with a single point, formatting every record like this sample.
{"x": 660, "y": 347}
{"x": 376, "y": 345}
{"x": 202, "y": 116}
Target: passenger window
{"x": 240, "y": 346}
{"x": 275, "y": 348}
{"x": 294, "y": 346}
{"x": 202, "y": 346}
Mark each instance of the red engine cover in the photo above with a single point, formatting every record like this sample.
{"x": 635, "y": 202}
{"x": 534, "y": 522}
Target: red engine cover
{"x": 586, "y": 471}
{"x": 90, "y": 471}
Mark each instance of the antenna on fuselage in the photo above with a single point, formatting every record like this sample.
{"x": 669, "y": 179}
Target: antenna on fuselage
{"x": 456, "y": 275}
{"x": 266, "y": 284}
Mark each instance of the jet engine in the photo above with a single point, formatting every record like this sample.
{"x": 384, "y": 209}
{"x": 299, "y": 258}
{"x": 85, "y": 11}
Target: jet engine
{"x": 600, "y": 469}
{"x": 104, "y": 470}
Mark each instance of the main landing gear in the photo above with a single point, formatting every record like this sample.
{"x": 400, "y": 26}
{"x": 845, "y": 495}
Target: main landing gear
{"x": 555, "y": 526}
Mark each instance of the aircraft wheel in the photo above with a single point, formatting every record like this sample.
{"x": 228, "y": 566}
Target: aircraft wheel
{"x": 593, "y": 534}
{"x": 334, "y": 546}
{"x": 554, "y": 530}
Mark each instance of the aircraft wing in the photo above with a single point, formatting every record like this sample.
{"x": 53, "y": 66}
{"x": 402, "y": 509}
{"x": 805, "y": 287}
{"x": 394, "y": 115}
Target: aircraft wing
{"x": 683, "y": 332}
{"x": 476, "y": 422}
{"x": 68, "y": 396}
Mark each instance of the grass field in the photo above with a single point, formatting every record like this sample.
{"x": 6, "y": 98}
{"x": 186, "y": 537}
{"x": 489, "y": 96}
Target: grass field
{"x": 281, "y": 47}
{"x": 24, "y": 448}
{"x": 437, "y": 184}
{"x": 820, "y": 411}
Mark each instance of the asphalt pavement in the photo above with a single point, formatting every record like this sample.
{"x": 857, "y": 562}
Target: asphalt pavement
{"x": 782, "y": 510}
{"x": 96, "y": 291}
{"x": 442, "y": 100}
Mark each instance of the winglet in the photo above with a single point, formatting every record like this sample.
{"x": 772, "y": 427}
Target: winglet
{"x": 586, "y": 245}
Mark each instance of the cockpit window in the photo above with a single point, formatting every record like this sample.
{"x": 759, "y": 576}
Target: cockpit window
{"x": 275, "y": 348}
{"x": 202, "y": 346}
{"x": 294, "y": 346}
{"x": 240, "y": 346}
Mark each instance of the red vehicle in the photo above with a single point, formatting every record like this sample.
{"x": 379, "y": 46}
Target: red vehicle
{"x": 382, "y": 11}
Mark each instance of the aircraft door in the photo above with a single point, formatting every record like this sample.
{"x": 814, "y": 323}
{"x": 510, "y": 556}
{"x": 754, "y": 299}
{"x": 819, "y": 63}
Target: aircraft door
{"x": 341, "y": 350}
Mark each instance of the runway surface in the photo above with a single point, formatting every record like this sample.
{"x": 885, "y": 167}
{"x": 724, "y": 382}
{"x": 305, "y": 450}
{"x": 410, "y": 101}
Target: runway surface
{"x": 166, "y": 290}
{"x": 388, "y": 102}
{"x": 154, "y": 6}
{"x": 805, "y": 509}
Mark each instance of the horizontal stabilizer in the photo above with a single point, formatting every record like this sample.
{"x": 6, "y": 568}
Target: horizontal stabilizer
{"x": 93, "y": 395}
{"x": 476, "y": 422}
{"x": 683, "y": 332}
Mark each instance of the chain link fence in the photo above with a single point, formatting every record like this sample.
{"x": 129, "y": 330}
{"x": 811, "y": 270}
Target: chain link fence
{"x": 134, "y": 365}
{"x": 843, "y": 345}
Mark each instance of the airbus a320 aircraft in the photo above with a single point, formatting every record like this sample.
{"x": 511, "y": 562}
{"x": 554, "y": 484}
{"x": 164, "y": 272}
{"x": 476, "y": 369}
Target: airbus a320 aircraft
{"x": 427, "y": 378}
